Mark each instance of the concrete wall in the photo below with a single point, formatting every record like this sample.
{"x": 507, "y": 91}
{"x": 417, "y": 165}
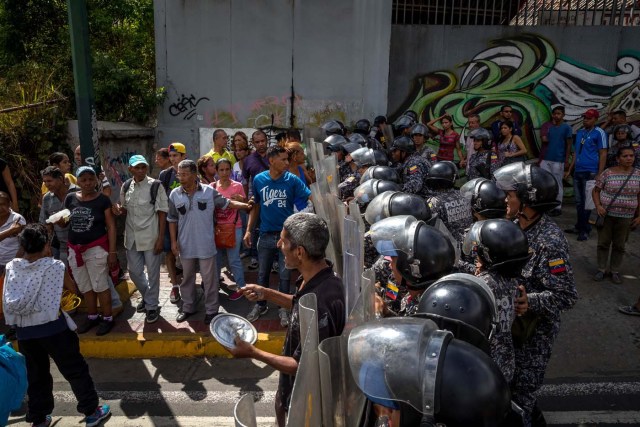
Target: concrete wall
{"x": 464, "y": 70}
{"x": 232, "y": 64}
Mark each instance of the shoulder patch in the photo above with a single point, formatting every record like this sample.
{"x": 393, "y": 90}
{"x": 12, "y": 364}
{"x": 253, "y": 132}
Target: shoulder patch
{"x": 413, "y": 169}
{"x": 557, "y": 266}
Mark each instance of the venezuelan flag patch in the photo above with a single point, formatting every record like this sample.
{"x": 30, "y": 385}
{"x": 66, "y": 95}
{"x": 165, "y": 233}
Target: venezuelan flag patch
{"x": 391, "y": 291}
{"x": 557, "y": 266}
{"x": 413, "y": 169}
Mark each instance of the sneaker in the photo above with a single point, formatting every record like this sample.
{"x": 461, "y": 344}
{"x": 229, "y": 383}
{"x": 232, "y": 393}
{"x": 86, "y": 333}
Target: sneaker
{"x": 235, "y": 296}
{"x": 174, "y": 296}
{"x": 152, "y": 316}
{"x": 616, "y": 278}
{"x": 104, "y": 327}
{"x": 100, "y": 414}
{"x": 88, "y": 324}
{"x": 253, "y": 264}
{"x": 275, "y": 268}
{"x": 257, "y": 311}
{"x": 283, "y": 313}
{"x": 45, "y": 423}
{"x": 140, "y": 308}
{"x": 629, "y": 309}
{"x": 599, "y": 276}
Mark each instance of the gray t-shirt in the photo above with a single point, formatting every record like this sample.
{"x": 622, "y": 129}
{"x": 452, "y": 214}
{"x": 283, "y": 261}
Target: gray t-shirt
{"x": 194, "y": 215}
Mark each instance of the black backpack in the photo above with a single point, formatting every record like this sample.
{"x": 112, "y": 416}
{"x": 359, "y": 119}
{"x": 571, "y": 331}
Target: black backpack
{"x": 154, "y": 189}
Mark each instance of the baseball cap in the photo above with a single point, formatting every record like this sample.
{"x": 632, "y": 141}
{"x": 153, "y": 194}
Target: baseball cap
{"x": 591, "y": 113}
{"x": 84, "y": 169}
{"x": 177, "y": 147}
{"x": 137, "y": 159}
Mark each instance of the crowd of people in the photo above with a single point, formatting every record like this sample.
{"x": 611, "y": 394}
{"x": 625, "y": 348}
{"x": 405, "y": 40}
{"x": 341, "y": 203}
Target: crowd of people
{"x": 247, "y": 198}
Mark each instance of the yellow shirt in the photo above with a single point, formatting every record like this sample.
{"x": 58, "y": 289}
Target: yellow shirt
{"x": 226, "y": 155}
{"x": 68, "y": 176}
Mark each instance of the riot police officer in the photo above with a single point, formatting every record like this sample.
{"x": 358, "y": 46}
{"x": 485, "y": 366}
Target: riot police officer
{"x": 546, "y": 283}
{"x": 487, "y": 200}
{"x": 334, "y": 127}
{"x": 385, "y": 173}
{"x": 413, "y": 167}
{"x": 419, "y": 133}
{"x": 484, "y": 161}
{"x": 361, "y": 159}
{"x": 402, "y": 126}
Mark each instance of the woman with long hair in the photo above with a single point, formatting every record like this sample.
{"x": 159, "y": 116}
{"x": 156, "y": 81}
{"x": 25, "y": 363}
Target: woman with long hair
{"x": 206, "y": 169}
{"x": 62, "y": 162}
{"x": 449, "y": 139}
{"x": 511, "y": 149}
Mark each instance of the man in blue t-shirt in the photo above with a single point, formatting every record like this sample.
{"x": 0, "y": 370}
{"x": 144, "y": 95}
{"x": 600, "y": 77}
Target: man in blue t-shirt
{"x": 556, "y": 146}
{"x": 589, "y": 158}
{"x": 275, "y": 191}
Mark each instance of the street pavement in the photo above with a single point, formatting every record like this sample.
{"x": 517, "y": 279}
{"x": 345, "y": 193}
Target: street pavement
{"x": 593, "y": 378}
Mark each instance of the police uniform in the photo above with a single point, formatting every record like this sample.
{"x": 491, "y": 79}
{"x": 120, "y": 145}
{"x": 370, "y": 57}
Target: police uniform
{"x": 428, "y": 154}
{"x": 393, "y": 293}
{"x": 344, "y": 170}
{"x": 550, "y": 286}
{"x": 346, "y": 187}
{"x": 409, "y": 305}
{"x": 482, "y": 164}
{"x": 370, "y": 252}
{"x": 454, "y": 210}
{"x": 501, "y": 342}
{"x": 414, "y": 171}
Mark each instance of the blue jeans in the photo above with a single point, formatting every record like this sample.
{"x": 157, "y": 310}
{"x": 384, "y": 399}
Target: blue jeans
{"x": 267, "y": 253}
{"x": 579, "y": 185}
{"x": 233, "y": 257}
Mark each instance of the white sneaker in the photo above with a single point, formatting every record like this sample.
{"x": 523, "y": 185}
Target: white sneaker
{"x": 256, "y": 312}
{"x": 283, "y": 313}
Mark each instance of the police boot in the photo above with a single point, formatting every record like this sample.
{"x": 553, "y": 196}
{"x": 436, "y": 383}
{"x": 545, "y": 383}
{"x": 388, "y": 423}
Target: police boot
{"x": 537, "y": 418}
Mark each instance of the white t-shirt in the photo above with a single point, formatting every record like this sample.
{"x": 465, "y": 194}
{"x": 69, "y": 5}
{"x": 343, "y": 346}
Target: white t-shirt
{"x": 9, "y": 246}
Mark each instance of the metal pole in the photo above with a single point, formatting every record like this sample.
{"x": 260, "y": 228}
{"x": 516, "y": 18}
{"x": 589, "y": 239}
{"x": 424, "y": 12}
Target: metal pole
{"x": 85, "y": 104}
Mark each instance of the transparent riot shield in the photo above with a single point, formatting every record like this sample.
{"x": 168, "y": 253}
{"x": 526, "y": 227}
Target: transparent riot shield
{"x": 330, "y": 168}
{"x": 305, "y": 408}
{"x": 335, "y": 211}
{"x": 244, "y": 412}
{"x": 352, "y": 262}
{"x": 343, "y": 403}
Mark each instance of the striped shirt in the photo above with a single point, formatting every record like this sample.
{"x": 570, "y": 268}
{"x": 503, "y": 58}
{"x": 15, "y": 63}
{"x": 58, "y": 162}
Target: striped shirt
{"x": 626, "y": 203}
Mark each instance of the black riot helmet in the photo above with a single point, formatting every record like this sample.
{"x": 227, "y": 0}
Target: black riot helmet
{"x": 368, "y": 157}
{"x": 419, "y": 129}
{"x": 385, "y": 173}
{"x": 412, "y": 114}
{"x": 411, "y": 363}
{"x": 485, "y": 197}
{"x": 333, "y": 127}
{"x": 534, "y": 186}
{"x": 362, "y": 127}
{"x": 379, "y": 120}
{"x": 403, "y": 143}
{"x": 393, "y": 203}
{"x": 424, "y": 253}
{"x": 500, "y": 244}
{"x": 483, "y": 135}
{"x": 349, "y": 147}
{"x": 368, "y": 190}
{"x": 358, "y": 139}
{"x": 403, "y": 122}
{"x": 335, "y": 142}
{"x": 463, "y": 304}
{"x": 442, "y": 174}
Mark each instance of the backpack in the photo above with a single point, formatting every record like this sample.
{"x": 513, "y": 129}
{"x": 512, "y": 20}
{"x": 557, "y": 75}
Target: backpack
{"x": 154, "y": 189}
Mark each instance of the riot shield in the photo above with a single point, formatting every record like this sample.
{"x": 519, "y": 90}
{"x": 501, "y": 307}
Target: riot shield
{"x": 330, "y": 168}
{"x": 305, "y": 408}
{"x": 352, "y": 242}
{"x": 244, "y": 412}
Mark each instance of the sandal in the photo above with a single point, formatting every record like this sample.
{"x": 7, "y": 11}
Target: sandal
{"x": 629, "y": 309}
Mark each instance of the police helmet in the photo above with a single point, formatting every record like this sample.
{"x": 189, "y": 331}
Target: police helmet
{"x": 385, "y": 173}
{"x": 424, "y": 252}
{"x": 379, "y": 120}
{"x": 483, "y": 135}
{"x": 349, "y": 147}
{"x": 404, "y": 122}
{"x": 403, "y": 143}
{"x": 335, "y": 142}
{"x": 419, "y": 129}
{"x": 333, "y": 127}
{"x": 485, "y": 197}
{"x": 501, "y": 245}
{"x": 393, "y": 203}
{"x": 534, "y": 186}
{"x": 427, "y": 372}
{"x": 362, "y": 127}
{"x": 368, "y": 190}
{"x": 442, "y": 174}
{"x": 463, "y": 300}
{"x": 358, "y": 139}
{"x": 367, "y": 157}
{"x": 412, "y": 114}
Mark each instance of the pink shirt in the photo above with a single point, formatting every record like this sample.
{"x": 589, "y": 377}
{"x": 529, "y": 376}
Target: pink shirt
{"x": 226, "y": 216}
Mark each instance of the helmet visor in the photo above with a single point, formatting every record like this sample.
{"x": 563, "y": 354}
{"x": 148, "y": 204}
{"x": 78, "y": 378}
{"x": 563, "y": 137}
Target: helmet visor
{"x": 468, "y": 190}
{"x": 378, "y": 208}
{"x": 472, "y": 239}
{"x": 508, "y": 177}
{"x": 394, "y": 235}
{"x": 363, "y": 157}
{"x": 365, "y": 192}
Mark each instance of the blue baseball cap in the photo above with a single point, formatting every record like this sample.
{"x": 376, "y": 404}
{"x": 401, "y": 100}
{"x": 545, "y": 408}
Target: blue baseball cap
{"x": 137, "y": 159}
{"x": 84, "y": 169}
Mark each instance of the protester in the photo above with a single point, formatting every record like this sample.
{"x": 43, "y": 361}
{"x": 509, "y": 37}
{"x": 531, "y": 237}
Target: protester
{"x": 7, "y": 185}
{"x": 506, "y": 113}
{"x": 11, "y": 223}
{"x": 146, "y": 206}
{"x": 219, "y": 149}
{"x": 232, "y": 190}
{"x": 297, "y": 162}
{"x": 162, "y": 160}
{"x": 449, "y": 139}
{"x": 103, "y": 186}
{"x": 556, "y": 137}
{"x": 303, "y": 240}
{"x": 276, "y": 192}
{"x": 206, "y": 169}
{"x": 511, "y": 149}
{"x": 616, "y": 196}
{"x": 92, "y": 248}
{"x": 32, "y": 294}
{"x": 62, "y": 162}
{"x": 240, "y": 151}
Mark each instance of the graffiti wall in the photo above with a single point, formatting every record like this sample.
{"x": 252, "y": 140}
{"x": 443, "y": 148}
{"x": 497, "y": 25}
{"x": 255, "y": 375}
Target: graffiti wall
{"x": 577, "y": 67}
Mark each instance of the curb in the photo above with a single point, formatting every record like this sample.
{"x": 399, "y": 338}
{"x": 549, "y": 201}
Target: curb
{"x": 158, "y": 345}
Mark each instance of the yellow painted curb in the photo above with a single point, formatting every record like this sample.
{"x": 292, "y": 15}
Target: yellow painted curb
{"x": 156, "y": 345}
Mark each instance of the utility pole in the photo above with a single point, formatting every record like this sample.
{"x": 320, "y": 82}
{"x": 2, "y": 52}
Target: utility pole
{"x": 85, "y": 104}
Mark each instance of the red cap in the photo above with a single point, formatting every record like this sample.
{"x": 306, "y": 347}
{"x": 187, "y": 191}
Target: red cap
{"x": 591, "y": 113}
